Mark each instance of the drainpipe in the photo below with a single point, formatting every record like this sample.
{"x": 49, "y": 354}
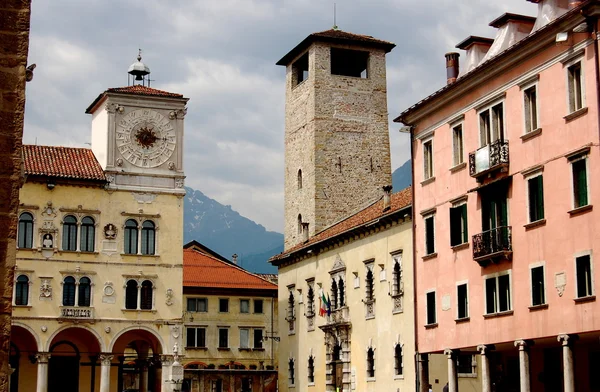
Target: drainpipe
{"x": 595, "y": 34}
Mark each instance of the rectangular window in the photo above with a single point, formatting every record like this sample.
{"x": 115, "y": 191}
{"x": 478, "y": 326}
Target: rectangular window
{"x": 216, "y": 386}
{"x": 584, "y": 276}
{"x": 497, "y": 294}
{"x": 258, "y": 306}
{"x": 196, "y": 337}
{"x": 431, "y": 314}
{"x": 535, "y": 186}
{"x": 223, "y": 338}
{"x": 580, "y": 188}
{"x": 457, "y": 145}
{"x": 429, "y": 234}
{"x": 223, "y": 305}
{"x": 300, "y": 70}
{"x": 427, "y": 159}
{"x": 575, "y": 87}
{"x": 458, "y": 225}
{"x": 530, "y": 106}
{"x": 258, "y": 338}
{"x": 244, "y": 338}
{"x": 491, "y": 124}
{"x": 197, "y": 304}
{"x": 246, "y": 384}
{"x": 463, "y": 301}
{"x": 346, "y": 62}
{"x": 538, "y": 293}
{"x": 244, "y": 306}
{"x": 465, "y": 364}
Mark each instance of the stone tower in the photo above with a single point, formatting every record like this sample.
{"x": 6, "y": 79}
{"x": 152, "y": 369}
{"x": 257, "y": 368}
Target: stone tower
{"x": 337, "y": 150}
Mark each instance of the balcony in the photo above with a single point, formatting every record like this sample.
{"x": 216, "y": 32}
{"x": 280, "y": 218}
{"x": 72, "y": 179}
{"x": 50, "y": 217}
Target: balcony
{"x": 339, "y": 316}
{"x": 489, "y": 158}
{"x": 76, "y": 313}
{"x": 493, "y": 245}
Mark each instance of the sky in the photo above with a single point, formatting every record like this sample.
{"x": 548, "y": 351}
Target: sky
{"x": 221, "y": 54}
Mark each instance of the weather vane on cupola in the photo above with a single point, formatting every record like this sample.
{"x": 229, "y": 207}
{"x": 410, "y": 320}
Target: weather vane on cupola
{"x": 139, "y": 72}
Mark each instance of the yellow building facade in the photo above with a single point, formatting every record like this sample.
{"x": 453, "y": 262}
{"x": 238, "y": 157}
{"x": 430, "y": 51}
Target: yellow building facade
{"x": 98, "y": 294}
{"x": 360, "y": 272}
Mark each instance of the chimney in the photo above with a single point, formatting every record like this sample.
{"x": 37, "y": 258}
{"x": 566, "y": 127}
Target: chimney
{"x": 234, "y": 258}
{"x": 476, "y": 48}
{"x": 451, "y": 67}
{"x": 304, "y": 231}
{"x": 387, "y": 197}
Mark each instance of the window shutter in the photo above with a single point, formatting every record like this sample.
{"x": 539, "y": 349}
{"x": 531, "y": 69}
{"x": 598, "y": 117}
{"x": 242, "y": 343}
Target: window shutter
{"x": 463, "y": 213}
{"x": 540, "y": 197}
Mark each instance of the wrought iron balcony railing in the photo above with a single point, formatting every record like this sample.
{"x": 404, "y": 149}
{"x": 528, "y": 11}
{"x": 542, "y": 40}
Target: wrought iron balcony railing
{"x": 488, "y": 158}
{"x": 73, "y": 312}
{"x": 493, "y": 245}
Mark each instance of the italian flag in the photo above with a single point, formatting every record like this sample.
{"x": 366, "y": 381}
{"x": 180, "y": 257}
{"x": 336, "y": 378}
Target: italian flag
{"x": 323, "y": 304}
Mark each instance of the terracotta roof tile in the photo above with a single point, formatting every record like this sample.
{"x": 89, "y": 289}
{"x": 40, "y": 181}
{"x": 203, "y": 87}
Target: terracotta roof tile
{"x": 143, "y": 90}
{"x": 336, "y": 36}
{"x": 398, "y": 201}
{"x": 62, "y": 162}
{"x": 203, "y": 270}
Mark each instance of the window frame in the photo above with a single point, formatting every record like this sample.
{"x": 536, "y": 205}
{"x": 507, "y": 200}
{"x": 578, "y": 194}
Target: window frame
{"x": 70, "y": 229}
{"x": 489, "y": 133}
{"x": 425, "y": 218}
{"x": 458, "y": 301}
{"x": 473, "y": 372}
{"x": 572, "y": 161}
{"x": 196, "y": 300}
{"x": 225, "y": 337}
{"x": 464, "y": 223}
{"x": 540, "y": 208}
{"x": 458, "y": 151}
{"x": 311, "y": 370}
{"x": 127, "y": 233}
{"x": 196, "y": 329}
{"x": 255, "y": 332}
{"x": 370, "y": 361}
{"x": 428, "y": 161}
{"x": 68, "y": 297}
{"x": 245, "y": 345}
{"x": 571, "y": 99}
{"x": 497, "y": 276}
{"x": 398, "y": 361}
{"x": 533, "y": 266}
{"x": 221, "y": 302}
{"x": 27, "y": 293}
{"x": 528, "y": 115}
{"x": 147, "y": 234}
{"x": 27, "y": 235}
{"x": 90, "y": 232}
{"x": 291, "y": 372}
{"x": 429, "y": 322}
{"x": 247, "y": 301}
{"x": 592, "y": 293}
{"x": 262, "y": 306}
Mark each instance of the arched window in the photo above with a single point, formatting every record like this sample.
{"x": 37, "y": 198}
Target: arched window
{"x": 369, "y": 286}
{"x": 69, "y": 291}
{"x": 299, "y": 224}
{"x": 311, "y": 369}
{"x": 131, "y": 294}
{"x": 88, "y": 234}
{"x": 69, "y": 240}
{"x": 397, "y": 278}
{"x": 148, "y": 235}
{"x": 25, "y": 240}
{"x": 291, "y": 304}
{"x": 291, "y": 371}
{"x": 85, "y": 291}
{"x": 22, "y": 290}
{"x": 341, "y": 290}
{"x": 334, "y": 295}
{"x": 337, "y": 353}
{"x": 310, "y": 307}
{"x": 146, "y": 295}
{"x": 370, "y": 363}
{"x": 398, "y": 365}
{"x": 131, "y": 237}
{"x": 299, "y": 178}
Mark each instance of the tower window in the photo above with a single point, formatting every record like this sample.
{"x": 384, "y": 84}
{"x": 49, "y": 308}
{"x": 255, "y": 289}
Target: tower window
{"x": 299, "y": 178}
{"x": 300, "y": 70}
{"x": 370, "y": 363}
{"x": 398, "y": 365}
{"x": 346, "y": 62}
{"x": 299, "y": 224}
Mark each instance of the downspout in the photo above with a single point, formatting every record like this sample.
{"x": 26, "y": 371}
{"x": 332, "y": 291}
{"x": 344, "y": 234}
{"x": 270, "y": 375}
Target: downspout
{"x": 414, "y": 247}
{"x": 272, "y": 333}
{"x": 597, "y": 66}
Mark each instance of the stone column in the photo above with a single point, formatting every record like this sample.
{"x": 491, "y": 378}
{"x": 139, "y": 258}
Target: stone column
{"x": 42, "y": 371}
{"x": 486, "y": 381}
{"x": 105, "y": 362}
{"x": 423, "y": 369}
{"x": 569, "y": 372}
{"x": 452, "y": 373}
{"x": 524, "y": 378}
{"x": 143, "y": 375}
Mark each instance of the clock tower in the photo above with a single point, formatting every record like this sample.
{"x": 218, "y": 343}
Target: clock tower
{"x": 137, "y": 135}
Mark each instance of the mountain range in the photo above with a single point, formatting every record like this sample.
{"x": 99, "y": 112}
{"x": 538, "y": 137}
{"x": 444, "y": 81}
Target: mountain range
{"x": 225, "y": 231}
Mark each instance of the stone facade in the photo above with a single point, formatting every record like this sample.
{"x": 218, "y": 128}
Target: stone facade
{"x": 14, "y": 44}
{"x": 336, "y": 134}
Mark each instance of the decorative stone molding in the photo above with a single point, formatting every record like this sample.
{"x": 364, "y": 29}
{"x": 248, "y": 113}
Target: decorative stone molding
{"x": 169, "y": 297}
{"x": 484, "y": 349}
{"x": 42, "y": 358}
{"x": 566, "y": 339}
{"x": 46, "y": 289}
{"x": 179, "y": 183}
{"x": 114, "y": 108}
{"x": 523, "y": 345}
{"x": 177, "y": 114}
{"x": 110, "y": 231}
{"x": 144, "y": 198}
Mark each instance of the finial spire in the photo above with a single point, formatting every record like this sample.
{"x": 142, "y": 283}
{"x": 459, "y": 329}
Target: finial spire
{"x": 139, "y": 57}
{"x": 334, "y": 17}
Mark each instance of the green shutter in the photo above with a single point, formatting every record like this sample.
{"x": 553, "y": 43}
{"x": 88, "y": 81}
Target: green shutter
{"x": 463, "y": 212}
{"x": 540, "y": 197}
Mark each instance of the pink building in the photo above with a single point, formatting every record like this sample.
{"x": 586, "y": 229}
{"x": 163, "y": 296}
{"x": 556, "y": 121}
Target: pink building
{"x": 504, "y": 161}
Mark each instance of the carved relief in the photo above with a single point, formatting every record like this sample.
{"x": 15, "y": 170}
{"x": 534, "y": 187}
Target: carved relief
{"x": 179, "y": 183}
{"x": 171, "y": 165}
{"x": 49, "y": 211}
{"x": 108, "y": 292}
{"x": 114, "y": 108}
{"x": 560, "y": 282}
{"x": 119, "y": 162}
{"x": 110, "y": 178}
{"x": 46, "y": 289}
{"x": 169, "y": 297}
{"x": 144, "y": 198}
{"x": 110, "y": 231}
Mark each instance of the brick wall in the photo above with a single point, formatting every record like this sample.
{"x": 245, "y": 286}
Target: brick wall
{"x": 14, "y": 44}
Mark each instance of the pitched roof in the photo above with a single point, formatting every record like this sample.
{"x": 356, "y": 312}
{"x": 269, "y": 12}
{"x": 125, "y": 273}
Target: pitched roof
{"x": 336, "y": 36}
{"x": 399, "y": 201}
{"x": 203, "y": 270}
{"x": 134, "y": 90}
{"x": 62, "y": 162}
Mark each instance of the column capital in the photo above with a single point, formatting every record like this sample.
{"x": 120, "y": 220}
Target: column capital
{"x": 566, "y": 339}
{"x": 106, "y": 359}
{"x": 42, "y": 358}
{"x": 484, "y": 349}
{"x": 523, "y": 344}
{"x": 450, "y": 353}
{"x": 166, "y": 359}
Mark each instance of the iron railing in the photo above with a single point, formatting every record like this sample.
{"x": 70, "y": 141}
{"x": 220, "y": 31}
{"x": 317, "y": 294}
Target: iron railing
{"x": 492, "y": 242}
{"x": 488, "y": 158}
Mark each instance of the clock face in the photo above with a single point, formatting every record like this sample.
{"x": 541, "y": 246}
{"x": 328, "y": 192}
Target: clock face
{"x": 145, "y": 138}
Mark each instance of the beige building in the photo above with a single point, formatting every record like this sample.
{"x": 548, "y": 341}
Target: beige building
{"x": 97, "y": 296}
{"x": 363, "y": 268}
{"x": 230, "y": 317}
